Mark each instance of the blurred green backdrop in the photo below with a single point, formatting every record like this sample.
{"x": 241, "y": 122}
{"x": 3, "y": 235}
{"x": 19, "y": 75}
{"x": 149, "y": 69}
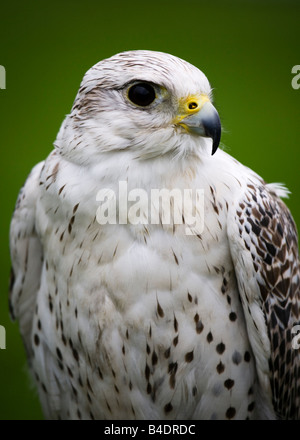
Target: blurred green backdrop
{"x": 246, "y": 48}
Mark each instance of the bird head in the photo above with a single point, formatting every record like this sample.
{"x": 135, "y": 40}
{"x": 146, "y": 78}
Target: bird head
{"x": 144, "y": 102}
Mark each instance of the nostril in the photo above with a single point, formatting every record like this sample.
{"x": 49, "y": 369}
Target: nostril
{"x": 193, "y": 105}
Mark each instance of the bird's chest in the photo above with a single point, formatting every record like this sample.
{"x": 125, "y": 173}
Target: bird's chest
{"x": 150, "y": 316}
{"x": 146, "y": 311}
{"x": 155, "y": 256}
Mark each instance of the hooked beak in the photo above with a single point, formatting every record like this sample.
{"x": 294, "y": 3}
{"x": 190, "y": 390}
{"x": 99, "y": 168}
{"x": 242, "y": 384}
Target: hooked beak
{"x": 203, "y": 119}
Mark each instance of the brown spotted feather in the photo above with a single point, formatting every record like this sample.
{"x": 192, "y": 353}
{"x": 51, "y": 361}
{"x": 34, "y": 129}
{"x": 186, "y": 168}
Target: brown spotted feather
{"x": 269, "y": 234}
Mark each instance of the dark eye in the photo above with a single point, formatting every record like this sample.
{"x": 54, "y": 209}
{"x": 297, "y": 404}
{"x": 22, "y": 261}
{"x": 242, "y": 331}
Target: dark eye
{"x": 141, "y": 94}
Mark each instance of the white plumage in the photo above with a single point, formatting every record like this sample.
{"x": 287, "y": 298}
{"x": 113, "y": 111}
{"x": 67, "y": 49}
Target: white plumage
{"x": 144, "y": 321}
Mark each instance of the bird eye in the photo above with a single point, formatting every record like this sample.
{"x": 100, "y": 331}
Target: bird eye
{"x": 193, "y": 105}
{"x": 142, "y": 94}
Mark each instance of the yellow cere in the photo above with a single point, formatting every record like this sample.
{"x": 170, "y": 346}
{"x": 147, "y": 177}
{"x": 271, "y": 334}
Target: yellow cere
{"x": 190, "y": 105}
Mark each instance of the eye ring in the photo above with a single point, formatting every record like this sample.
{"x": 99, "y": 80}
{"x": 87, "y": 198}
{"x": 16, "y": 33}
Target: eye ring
{"x": 141, "y": 94}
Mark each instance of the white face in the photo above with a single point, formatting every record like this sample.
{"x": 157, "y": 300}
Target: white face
{"x": 147, "y": 103}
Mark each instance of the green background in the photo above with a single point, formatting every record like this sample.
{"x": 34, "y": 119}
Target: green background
{"x": 246, "y": 48}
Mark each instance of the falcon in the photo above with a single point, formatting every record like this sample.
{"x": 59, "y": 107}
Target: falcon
{"x": 140, "y": 320}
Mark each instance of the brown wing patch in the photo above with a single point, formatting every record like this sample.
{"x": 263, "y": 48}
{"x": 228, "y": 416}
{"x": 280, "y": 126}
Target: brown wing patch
{"x": 269, "y": 233}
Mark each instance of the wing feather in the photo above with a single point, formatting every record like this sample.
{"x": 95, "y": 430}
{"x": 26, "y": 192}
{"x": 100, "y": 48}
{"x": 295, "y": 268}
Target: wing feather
{"x": 26, "y": 257}
{"x": 264, "y": 247}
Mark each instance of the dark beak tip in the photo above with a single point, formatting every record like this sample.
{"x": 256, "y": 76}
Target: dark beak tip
{"x": 214, "y": 132}
{"x": 216, "y": 140}
{"x": 214, "y": 147}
